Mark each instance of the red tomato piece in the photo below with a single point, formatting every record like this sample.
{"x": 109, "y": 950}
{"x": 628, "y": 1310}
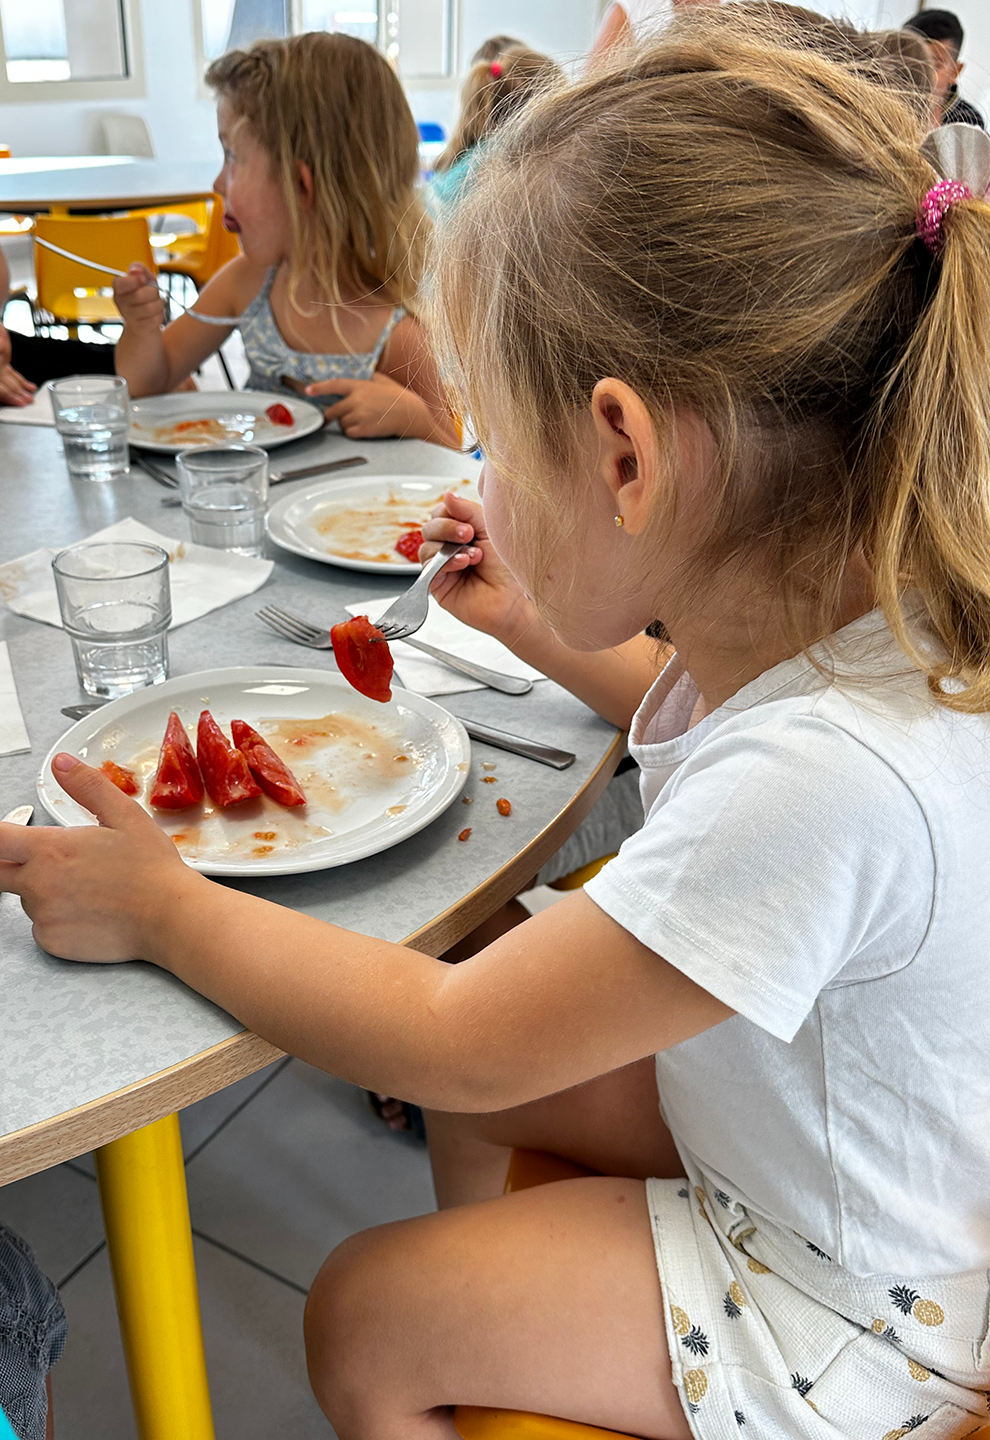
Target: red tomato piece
{"x": 280, "y": 415}
{"x": 123, "y": 779}
{"x": 276, "y": 779}
{"x": 225, "y": 770}
{"x": 363, "y": 656}
{"x": 408, "y": 545}
{"x": 178, "y": 781}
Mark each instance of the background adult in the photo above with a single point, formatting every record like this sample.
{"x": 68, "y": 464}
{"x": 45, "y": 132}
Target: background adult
{"x": 944, "y": 34}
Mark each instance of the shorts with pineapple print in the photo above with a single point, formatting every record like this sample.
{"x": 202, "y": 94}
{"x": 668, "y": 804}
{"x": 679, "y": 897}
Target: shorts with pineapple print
{"x": 770, "y": 1338}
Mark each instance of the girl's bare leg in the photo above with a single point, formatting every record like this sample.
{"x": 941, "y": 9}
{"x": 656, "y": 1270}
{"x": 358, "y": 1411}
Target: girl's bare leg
{"x": 545, "y": 1300}
{"x": 612, "y": 1125}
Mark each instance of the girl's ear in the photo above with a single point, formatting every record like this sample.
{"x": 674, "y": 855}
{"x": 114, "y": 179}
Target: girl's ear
{"x": 627, "y": 450}
{"x": 304, "y": 184}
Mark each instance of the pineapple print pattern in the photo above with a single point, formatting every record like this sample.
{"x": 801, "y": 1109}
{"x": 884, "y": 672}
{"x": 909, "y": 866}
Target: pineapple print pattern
{"x": 733, "y": 1301}
{"x": 679, "y": 1320}
{"x": 695, "y": 1388}
{"x": 757, "y": 1267}
{"x": 820, "y": 1253}
{"x": 910, "y": 1424}
{"x": 740, "y": 1417}
{"x": 802, "y": 1384}
{"x": 696, "y": 1341}
{"x": 909, "y": 1302}
{"x": 723, "y": 1199}
{"x": 918, "y": 1372}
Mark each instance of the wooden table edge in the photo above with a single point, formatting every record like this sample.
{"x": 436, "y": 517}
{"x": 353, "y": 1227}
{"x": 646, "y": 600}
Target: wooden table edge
{"x": 108, "y": 1117}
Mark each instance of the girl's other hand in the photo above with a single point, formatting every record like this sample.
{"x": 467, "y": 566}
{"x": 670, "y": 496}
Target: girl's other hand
{"x": 14, "y": 389}
{"x": 476, "y": 586}
{"x": 138, "y": 298}
{"x": 96, "y": 894}
{"x": 369, "y": 409}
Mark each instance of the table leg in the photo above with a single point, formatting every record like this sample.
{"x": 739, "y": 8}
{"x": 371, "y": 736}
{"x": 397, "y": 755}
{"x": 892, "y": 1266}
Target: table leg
{"x": 146, "y": 1214}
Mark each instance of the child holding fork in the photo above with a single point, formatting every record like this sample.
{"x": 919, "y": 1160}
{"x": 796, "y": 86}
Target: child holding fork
{"x": 716, "y": 314}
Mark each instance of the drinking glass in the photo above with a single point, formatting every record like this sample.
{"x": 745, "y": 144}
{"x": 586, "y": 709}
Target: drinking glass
{"x": 116, "y": 608}
{"x": 224, "y": 491}
{"x": 93, "y": 416}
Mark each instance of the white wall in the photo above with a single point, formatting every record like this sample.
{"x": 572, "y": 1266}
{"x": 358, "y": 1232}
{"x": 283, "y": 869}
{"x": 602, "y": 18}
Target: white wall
{"x": 182, "y": 122}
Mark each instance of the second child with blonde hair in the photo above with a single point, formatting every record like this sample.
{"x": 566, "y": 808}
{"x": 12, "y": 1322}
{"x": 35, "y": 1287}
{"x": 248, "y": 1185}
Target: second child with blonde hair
{"x": 319, "y": 181}
{"x": 495, "y": 89}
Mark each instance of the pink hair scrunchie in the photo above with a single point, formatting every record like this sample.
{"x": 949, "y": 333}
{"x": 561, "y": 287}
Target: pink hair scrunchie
{"x": 496, "y": 69}
{"x": 939, "y": 199}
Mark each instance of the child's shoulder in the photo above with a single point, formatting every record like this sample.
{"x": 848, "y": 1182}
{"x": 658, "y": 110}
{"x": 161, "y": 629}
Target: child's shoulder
{"x": 239, "y": 282}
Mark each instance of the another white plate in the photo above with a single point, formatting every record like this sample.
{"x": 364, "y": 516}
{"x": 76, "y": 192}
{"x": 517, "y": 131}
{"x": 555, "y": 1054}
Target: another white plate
{"x": 241, "y": 413}
{"x": 361, "y": 797}
{"x": 294, "y": 520}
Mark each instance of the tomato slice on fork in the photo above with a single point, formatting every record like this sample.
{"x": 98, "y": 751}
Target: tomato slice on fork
{"x": 363, "y": 656}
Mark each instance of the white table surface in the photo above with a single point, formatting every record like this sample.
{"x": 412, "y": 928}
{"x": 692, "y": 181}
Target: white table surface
{"x": 90, "y": 1052}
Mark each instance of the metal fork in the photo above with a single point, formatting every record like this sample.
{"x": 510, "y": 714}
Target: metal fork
{"x": 405, "y": 616}
{"x": 303, "y": 633}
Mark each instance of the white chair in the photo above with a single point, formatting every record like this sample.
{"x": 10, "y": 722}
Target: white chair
{"x": 127, "y": 135}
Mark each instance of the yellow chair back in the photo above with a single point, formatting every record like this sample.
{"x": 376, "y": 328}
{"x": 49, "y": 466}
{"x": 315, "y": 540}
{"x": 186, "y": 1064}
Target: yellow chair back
{"x": 201, "y": 256}
{"x": 70, "y": 291}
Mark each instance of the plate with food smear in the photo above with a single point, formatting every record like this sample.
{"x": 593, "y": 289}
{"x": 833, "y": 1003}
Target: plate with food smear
{"x": 373, "y": 523}
{"x": 260, "y": 770}
{"x": 170, "y": 423}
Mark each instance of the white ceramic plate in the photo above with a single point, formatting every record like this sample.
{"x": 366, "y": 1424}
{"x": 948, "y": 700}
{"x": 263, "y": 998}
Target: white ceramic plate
{"x": 372, "y": 508}
{"x": 239, "y": 418}
{"x": 361, "y": 797}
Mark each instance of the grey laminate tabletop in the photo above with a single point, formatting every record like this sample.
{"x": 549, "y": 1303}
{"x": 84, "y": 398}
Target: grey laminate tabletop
{"x": 107, "y": 182}
{"x": 87, "y": 1053}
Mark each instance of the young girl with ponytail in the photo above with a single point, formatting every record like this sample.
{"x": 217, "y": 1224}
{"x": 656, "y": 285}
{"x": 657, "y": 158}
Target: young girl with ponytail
{"x": 718, "y": 316}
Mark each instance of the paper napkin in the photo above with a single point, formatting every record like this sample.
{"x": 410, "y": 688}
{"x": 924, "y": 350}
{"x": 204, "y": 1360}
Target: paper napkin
{"x": 39, "y": 412}
{"x": 201, "y": 579}
{"x": 430, "y": 677}
{"x": 13, "y": 733}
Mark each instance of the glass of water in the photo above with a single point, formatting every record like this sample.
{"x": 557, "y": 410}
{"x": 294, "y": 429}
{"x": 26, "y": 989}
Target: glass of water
{"x": 116, "y": 608}
{"x": 224, "y": 491}
{"x": 93, "y": 417}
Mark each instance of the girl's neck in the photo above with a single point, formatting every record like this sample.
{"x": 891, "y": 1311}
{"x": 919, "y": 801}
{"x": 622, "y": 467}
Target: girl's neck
{"x": 729, "y": 641}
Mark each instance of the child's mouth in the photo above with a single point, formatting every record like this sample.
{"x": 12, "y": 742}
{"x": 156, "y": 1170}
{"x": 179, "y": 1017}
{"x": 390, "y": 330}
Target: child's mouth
{"x": 229, "y": 223}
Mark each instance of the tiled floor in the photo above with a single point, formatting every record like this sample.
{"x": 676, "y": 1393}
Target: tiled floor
{"x": 280, "y": 1168}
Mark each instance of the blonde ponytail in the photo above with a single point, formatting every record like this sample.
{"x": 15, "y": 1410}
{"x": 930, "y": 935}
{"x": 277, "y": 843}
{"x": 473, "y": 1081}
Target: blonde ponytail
{"x": 493, "y": 91}
{"x": 932, "y": 530}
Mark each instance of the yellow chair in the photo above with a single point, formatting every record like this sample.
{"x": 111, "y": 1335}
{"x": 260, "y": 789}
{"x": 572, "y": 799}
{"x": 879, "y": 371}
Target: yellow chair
{"x": 73, "y": 294}
{"x": 199, "y": 257}
{"x": 582, "y": 875}
{"x": 475, "y": 1422}
{"x": 198, "y": 211}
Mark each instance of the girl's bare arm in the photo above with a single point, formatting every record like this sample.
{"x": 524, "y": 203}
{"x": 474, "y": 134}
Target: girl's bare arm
{"x": 154, "y": 360}
{"x": 407, "y": 359}
{"x": 559, "y": 1000}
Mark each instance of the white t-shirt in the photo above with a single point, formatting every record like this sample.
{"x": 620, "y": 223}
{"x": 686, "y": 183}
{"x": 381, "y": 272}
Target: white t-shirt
{"x": 816, "y": 854}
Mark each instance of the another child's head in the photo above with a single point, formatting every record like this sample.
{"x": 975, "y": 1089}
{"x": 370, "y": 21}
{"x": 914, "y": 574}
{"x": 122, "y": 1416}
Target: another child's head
{"x": 720, "y": 236}
{"x": 323, "y": 120}
{"x": 493, "y": 92}
{"x": 493, "y": 47}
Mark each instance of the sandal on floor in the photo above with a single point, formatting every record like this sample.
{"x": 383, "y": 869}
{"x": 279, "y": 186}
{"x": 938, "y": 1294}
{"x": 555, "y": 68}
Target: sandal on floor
{"x": 407, "y": 1121}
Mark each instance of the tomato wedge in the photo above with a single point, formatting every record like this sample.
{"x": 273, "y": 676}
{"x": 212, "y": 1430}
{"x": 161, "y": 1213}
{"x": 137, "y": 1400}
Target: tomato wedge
{"x": 280, "y": 415}
{"x": 178, "y": 781}
{"x": 123, "y": 779}
{"x": 363, "y": 656}
{"x": 276, "y": 779}
{"x": 408, "y": 545}
{"x": 225, "y": 770}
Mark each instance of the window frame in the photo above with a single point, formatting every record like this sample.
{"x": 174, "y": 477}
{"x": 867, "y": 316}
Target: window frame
{"x": 438, "y": 81}
{"x": 130, "y": 86}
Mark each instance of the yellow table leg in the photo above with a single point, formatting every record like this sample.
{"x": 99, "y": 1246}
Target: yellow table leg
{"x": 146, "y": 1214}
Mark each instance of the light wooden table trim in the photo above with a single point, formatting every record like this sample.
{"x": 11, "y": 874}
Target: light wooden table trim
{"x": 99, "y": 1121}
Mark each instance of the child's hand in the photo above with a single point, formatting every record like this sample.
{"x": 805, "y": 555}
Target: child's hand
{"x": 139, "y": 299}
{"x": 370, "y": 408}
{"x": 475, "y": 587}
{"x": 96, "y": 894}
{"x": 14, "y": 389}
